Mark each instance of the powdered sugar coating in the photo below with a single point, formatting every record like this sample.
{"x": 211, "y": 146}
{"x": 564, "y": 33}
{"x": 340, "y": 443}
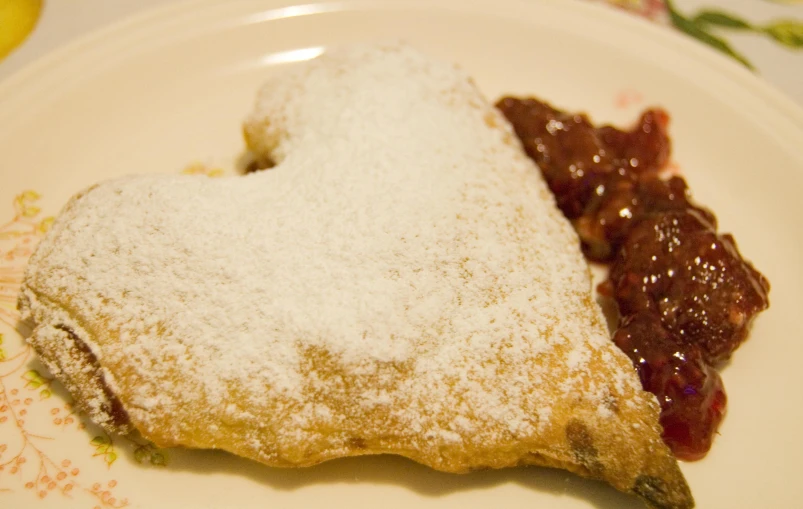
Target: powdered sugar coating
{"x": 403, "y": 271}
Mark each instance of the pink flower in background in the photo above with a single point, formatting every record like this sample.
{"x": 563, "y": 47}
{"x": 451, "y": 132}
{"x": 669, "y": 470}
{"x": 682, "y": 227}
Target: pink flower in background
{"x": 713, "y": 26}
{"x": 655, "y": 10}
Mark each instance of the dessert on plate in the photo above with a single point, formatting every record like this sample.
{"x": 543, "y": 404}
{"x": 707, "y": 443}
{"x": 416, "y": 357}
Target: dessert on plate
{"x": 400, "y": 282}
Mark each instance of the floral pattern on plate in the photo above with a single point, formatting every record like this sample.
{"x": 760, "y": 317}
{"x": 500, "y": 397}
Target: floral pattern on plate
{"x": 36, "y": 414}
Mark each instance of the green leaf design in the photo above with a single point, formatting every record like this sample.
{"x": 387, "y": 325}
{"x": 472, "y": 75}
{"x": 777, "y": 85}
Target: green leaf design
{"x": 103, "y": 446}
{"x": 141, "y": 454}
{"x": 148, "y": 452}
{"x": 718, "y": 18}
{"x": 100, "y": 440}
{"x": 44, "y": 225}
{"x": 24, "y": 204}
{"x": 787, "y": 32}
{"x": 45, "y": 393}
{"x": 158, "y": 459}
{"x": 110, "y": 457}
{"x": 692, "y": 29}
{"x": 33, "y": 380}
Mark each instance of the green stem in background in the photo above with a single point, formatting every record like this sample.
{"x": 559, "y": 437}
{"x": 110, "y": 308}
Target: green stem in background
{"x": 699, "y": 31}
{"x": 706, "y": 18}
{"x": 786, "y": 32}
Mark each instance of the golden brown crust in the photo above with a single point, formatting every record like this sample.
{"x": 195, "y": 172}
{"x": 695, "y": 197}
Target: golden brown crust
{"x": 631, "y": 461}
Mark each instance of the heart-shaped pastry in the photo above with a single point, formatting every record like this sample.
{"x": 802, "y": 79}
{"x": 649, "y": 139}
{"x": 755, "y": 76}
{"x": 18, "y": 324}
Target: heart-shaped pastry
{"x": 400, "y": 282}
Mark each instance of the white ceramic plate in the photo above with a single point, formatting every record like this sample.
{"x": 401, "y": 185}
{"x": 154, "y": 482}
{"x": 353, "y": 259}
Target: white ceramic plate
{"x": 170, "y": 87}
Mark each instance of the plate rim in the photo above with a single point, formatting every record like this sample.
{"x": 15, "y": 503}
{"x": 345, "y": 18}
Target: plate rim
{"x": 57, "y": 60}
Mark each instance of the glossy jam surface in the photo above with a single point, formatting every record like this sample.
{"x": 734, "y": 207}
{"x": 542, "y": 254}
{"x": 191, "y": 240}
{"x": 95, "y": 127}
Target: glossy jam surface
{"x": 690, "y": 392}
{"x": 594, "y": 172}
{"x": 685, "y": 295}
{"x": 675, "y": 265}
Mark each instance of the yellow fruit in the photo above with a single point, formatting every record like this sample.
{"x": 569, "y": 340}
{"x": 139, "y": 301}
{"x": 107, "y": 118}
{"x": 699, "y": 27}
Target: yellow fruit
{"x": 17, "y": 20}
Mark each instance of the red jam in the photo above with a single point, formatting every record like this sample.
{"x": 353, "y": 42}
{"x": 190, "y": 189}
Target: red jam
{"x": 675, "y": 265}
{"x": 690, "y": 392}
{"x": 685, "y": 295}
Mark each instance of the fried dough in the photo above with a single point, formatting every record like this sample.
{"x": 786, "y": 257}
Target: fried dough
{"x": 400, "y": 282}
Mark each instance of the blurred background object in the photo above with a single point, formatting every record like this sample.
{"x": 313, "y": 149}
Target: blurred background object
{"x": 17, "y": 20}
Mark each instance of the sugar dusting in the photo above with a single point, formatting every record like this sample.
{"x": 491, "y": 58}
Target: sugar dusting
{"x": 402, "y": 268}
